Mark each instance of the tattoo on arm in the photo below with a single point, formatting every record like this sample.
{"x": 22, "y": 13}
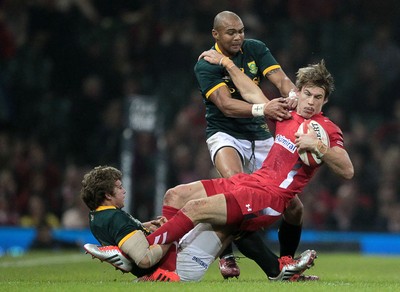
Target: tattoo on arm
{"x": 272, "y": 72}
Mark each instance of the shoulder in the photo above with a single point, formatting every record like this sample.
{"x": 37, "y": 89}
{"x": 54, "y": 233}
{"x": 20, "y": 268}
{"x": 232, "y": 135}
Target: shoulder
{"x": 120, "y": 214}
{"x": 327, "y": 124}
{"x": 203, "y": 65}
{"x": 254, "y": 44}
{"x": 259, "y": 51}
{"x": 207, "y": 74}
{"x": 334, "y": 132}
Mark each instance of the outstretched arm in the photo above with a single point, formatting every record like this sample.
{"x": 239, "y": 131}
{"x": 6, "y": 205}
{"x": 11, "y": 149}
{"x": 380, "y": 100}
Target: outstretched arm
{"x": 275, "y": 109}
{"x": 248, "y": 90}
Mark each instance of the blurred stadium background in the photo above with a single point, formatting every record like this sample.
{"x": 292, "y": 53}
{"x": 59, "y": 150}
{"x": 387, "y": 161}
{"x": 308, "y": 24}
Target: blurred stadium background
{"x": 90, "y": 82}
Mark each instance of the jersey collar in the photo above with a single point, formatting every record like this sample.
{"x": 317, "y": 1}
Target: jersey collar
{"x": 297, "y": 117}
{"x": 101, "y": 208}
{"x": 219, "y": 50}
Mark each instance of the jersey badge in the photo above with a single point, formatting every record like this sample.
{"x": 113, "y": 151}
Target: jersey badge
{"x": 253, "y": 67}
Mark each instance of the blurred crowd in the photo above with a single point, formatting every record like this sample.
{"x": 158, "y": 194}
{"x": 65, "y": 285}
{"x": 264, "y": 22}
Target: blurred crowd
{"x": 66, "y": 67}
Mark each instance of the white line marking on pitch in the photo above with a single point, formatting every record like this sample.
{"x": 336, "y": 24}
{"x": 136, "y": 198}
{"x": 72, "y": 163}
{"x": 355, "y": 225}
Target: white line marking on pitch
{"x": 48, "y": 260}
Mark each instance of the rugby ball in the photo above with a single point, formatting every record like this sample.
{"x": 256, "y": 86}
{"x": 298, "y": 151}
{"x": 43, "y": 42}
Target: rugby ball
{"x": 308, "y": 157}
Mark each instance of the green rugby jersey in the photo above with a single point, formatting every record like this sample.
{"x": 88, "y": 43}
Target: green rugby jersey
{"x": 110, "y": 225}
{"x": 255, "y": 60}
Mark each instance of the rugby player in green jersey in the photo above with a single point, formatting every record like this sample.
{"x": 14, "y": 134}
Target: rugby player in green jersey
{"x": 238, "y": 137}
{"x": 104, "y": 195}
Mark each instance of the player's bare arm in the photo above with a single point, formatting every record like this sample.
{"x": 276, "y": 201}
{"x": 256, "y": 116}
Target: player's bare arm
{"x": 286, "y": 87}
{"x": 248, "y": 90}
{"x": 275, "y": 109}
{"x": 336, "y": 158}
{"x": 229, "y": 106}
{"x": 281, "y": 81}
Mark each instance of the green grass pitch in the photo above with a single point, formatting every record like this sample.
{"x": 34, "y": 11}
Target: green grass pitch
{"x": 76, "y": 271}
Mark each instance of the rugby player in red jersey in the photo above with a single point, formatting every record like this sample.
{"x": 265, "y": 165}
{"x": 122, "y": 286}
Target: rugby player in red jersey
{"x": 247, "y": 202}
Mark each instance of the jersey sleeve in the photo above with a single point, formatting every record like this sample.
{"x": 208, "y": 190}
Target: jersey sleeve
{"x": 209, "y": 77}
{"x": 336, "y": 138}
{"x": 335, "y": 135}
{"x": 121, "y": 225}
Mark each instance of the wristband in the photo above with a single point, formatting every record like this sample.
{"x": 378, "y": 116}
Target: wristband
{"x": 321, "y": 149}
{"x": 257, "y": 110}
{"x": 220, "y": 61}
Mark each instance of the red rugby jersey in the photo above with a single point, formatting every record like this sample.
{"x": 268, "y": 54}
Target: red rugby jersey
{"x": 283, "y": 166}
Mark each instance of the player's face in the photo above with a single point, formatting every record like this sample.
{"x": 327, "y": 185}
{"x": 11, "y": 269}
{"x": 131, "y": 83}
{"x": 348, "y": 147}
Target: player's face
{"x": 311, "y": 100}
{"x": 230, "y": 36}
{"x": 119, "y": 194}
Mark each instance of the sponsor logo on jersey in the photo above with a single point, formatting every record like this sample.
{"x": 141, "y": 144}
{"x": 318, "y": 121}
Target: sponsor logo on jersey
{"x": 253, "y": 67}
{"x": 285, "y": 142}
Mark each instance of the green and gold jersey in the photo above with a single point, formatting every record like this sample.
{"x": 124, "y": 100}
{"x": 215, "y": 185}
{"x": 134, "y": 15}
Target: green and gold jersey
{"x": 255, "y": 60}
{"x": 110, "y": 226}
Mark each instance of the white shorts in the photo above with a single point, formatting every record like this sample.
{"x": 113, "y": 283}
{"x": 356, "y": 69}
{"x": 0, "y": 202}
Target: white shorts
{"x": 197, "y": 250}
{"x": 252, "y": 158}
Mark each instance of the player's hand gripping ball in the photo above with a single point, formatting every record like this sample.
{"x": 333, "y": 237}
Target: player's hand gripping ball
{"x": 308, "y": 157}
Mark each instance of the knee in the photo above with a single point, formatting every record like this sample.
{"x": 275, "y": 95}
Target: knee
{"x": 194, "y": 210}
{"x": 294, "y": 212}
{"x": 172, "y": 197}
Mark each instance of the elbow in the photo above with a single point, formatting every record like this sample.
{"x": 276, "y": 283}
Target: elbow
{"x": 349, "y": 173}
{"x": 348, "y": 176}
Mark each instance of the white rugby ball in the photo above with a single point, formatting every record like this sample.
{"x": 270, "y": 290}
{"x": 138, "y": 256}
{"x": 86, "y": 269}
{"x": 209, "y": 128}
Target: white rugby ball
{"x": 308, "y": 157}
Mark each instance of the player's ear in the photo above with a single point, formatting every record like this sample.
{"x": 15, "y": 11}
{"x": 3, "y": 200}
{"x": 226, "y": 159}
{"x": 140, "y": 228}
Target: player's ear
{"x": 215, "y": 34}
